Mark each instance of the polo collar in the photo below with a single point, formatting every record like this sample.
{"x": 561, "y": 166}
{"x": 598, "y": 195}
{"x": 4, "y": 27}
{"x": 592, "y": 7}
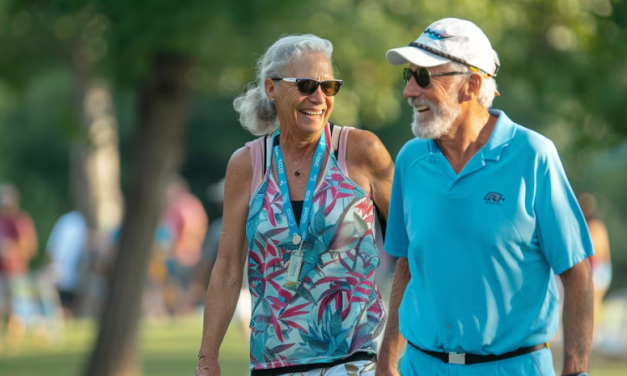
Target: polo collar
{"x": 503, "y": 132}
{"x": 501, "y": 136}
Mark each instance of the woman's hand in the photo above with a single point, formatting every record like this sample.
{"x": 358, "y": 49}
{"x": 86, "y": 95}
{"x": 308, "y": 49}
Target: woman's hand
{"x": 206, "y": 368}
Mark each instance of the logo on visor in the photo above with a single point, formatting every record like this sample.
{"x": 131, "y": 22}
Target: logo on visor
{"x": 437, "y": 35}
{"x": 493, "y": 198}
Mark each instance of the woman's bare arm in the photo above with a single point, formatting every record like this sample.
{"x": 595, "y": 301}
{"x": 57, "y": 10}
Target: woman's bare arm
{"x": 370, "y": 165}
{"x": 226, "y": 279}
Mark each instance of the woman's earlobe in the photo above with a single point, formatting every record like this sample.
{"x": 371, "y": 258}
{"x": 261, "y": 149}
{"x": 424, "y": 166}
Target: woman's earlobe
{"x": 269, "y": 86}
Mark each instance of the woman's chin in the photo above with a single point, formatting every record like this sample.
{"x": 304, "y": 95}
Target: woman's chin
{"x": 311, "y": 125}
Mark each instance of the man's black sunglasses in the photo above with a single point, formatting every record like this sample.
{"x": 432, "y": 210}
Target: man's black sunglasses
{"x": 423, "y": 76}
{"x": 307, "y": 86}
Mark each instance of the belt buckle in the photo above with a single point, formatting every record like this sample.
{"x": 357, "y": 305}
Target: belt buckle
{"x": 457, "y": 358}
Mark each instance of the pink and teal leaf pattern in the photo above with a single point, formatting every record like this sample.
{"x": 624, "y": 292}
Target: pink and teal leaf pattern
{"x": 335, "y": 309}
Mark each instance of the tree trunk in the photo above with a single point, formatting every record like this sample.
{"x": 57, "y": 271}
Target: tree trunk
{"x": 95, "y": 165}
{"x": 158, "y": 147}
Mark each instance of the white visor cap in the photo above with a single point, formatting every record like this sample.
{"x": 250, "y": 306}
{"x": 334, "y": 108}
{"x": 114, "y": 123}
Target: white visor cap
{"x": 446, "y": 40}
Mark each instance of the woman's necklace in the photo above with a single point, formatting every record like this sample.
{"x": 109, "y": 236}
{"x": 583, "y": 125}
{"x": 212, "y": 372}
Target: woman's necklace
{"x": 297, "y": 171}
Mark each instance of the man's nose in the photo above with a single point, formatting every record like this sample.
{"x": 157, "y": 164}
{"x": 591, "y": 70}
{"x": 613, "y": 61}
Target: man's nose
{"x": 412, "y": 89}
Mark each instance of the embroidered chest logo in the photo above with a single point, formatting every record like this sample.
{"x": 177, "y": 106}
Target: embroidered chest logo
{"x": 493, "y": 198}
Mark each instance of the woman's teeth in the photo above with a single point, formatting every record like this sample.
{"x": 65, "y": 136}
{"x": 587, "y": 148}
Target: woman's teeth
{"x": 307, "y": 112}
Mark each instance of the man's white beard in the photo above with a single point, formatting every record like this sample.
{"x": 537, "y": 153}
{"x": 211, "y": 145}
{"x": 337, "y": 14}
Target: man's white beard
{"x": 441, "y": 118}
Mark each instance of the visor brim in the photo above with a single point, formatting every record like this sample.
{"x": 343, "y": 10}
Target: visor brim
{"x": 414, "y": 55}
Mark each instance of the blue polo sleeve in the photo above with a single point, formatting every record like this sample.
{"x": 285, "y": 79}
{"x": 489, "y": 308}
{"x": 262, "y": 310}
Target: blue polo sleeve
{"x": 396, "y": 240}
{"x": 563, "y": 232}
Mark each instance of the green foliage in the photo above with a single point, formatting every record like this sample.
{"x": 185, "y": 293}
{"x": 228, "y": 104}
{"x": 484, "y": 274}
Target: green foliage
{"x": 562, "y": 59}
{"x": 34, "y": 149}
{"x": 563, "y": 74}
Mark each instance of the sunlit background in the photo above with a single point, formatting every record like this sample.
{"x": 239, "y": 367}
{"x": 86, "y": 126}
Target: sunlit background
{"x": 102, "y": 101}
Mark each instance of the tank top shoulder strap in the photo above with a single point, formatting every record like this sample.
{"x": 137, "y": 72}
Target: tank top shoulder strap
{"x": 257, "y": 158}
{"x": 335, "y": 137}
{"x": 341, "y": 149}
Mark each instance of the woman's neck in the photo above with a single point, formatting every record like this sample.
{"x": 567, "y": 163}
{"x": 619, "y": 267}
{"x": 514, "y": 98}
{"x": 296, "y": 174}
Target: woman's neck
{"x": 298, "y": 146}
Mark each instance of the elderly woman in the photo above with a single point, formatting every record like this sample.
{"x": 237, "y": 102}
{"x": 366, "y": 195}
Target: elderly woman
{"x": 299, "y": 204}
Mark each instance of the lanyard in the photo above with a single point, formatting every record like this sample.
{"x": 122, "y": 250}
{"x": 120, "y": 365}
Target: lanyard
{"x": 299, "y": 233}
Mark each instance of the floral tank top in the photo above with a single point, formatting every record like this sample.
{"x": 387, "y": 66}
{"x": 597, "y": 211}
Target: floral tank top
{"x": 335, "y": 309}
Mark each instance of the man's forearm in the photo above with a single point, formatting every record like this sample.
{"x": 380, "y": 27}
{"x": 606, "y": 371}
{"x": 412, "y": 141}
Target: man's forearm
{"x": 393, "y": 342}
{"x": 578, "y": 320}
{"x": 220, "y": 304}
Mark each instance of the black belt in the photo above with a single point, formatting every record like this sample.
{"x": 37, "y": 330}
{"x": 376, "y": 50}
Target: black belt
{"x": 308, "y": 367}
{"x": 462, "y": 358}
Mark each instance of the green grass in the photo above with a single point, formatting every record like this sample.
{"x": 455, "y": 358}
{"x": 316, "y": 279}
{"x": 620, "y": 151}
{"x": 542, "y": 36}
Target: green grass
{"x": 168, "y": 348}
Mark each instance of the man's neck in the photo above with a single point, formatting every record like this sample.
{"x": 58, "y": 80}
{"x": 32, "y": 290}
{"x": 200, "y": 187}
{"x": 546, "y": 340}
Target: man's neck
{"x": 467, "y": 137}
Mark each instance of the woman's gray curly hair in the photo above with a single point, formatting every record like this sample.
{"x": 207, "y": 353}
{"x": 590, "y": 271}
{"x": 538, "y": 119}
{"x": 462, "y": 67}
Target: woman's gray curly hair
{"x": 255, "y": 111}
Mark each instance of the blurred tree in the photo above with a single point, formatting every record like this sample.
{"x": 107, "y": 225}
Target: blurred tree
{"x": 70, "y": 33}
{"x": 158, "y": 148}
{"x": 157, "y": 52}
{"x": 67, "y": 33}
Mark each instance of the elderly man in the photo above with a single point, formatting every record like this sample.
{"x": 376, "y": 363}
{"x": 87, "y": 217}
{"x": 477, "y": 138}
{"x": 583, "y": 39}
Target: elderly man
{"x": 481, "y": 212}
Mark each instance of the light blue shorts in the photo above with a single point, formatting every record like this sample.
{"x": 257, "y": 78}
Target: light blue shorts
{"x": 537, "y": 363}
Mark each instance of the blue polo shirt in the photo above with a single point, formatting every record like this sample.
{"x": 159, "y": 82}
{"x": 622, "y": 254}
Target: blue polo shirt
{"x": 482, "y": 245}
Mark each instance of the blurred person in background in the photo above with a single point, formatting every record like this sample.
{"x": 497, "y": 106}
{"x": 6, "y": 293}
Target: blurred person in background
{"x": 215, "y": 194}
{"x": 18, "y": 246}
{"x": 600, "y": 265}
{"x": 67, "y": 254}
{"x": 299, "y": 205}
{"x": 187, "y": 222}
{"x": 202, "y": 271}
{"x": 600, "y": 262}
{"x": 155, "y": 294}
{"x": 154, "y": 297}
{"x": 100, "y": 260}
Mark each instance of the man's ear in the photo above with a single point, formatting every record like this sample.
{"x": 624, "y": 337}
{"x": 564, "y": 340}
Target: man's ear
{"x": 473, "y": 87}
